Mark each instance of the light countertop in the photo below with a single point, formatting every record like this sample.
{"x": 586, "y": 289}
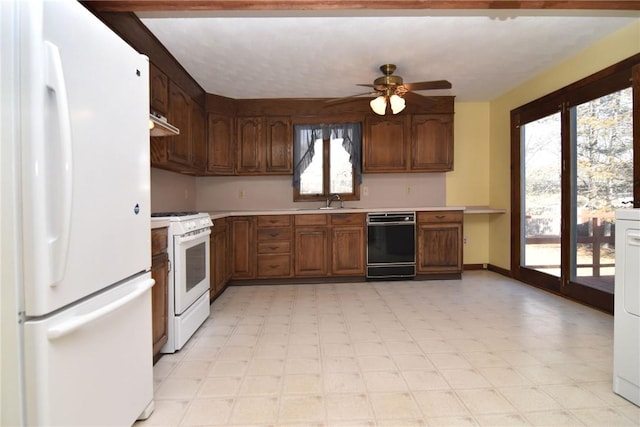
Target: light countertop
{"x": 302, "y": 211}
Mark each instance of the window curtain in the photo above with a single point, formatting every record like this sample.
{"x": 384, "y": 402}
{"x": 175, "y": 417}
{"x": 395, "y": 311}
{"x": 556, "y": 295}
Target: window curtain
{"x": 351, "y": 134}
{"x": 304, "y": 137}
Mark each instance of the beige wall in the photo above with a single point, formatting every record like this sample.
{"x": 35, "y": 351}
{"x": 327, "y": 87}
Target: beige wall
{"x": 606, "y": 52}
{"x": 172, "y": 191}
{"x": 468, "y": 183}
{"x": 275, "y": 192}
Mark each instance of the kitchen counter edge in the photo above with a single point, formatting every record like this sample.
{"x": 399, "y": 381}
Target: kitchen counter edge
{"x": 294, "y": 211}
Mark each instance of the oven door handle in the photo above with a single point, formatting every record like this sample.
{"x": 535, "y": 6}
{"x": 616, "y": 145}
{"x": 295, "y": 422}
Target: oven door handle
{"x": 188, "y": 239}
{"x": 376, "y": 224}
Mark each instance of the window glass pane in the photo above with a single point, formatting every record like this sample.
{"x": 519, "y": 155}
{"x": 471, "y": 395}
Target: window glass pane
{"x": 341, "y": 171}
{"x": 603, "y": 182}
{"x": 542, "y": 194}
{"x": 311, "y": 178}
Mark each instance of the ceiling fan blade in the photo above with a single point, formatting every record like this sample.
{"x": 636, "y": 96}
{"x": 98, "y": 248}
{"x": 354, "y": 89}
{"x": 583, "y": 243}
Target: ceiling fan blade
{"x": 418, "y": 99}
{"x": 434, "y": 84}
{"x": 349, "y": 98}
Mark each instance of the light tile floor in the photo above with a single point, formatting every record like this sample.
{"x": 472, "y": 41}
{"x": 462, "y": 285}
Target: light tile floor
{"x": 484, "y": 350}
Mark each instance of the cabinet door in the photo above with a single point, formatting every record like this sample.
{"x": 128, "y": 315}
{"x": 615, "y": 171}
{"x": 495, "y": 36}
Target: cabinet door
{"x": 220, "y": 261}
{"x": 439, "y": 248}
{"x": 159, "y": 90}
{"x": 279, "y": 145}
{"x": 159, "y": 300}
{"x": 179, "y": 146}
{"x": 249, "y": 145}
{"x": 385, "y": 144}
{"x": 220, "y": 149}
{"x": 311, "y": 246}
{"x": 198, "y": 138}
{"x": 347, "y": 251}
{"x": 432, "y": 142}
{"x": 243, "y": 238}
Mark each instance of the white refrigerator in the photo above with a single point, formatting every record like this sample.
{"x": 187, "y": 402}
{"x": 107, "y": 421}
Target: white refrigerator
{"x": 76, "y": 286}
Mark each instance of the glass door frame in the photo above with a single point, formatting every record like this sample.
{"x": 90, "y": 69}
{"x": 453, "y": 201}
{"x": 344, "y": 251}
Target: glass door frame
{"x": 614, "y": 78}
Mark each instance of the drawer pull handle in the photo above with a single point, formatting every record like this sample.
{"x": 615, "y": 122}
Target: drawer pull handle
{"x": 440, "y": 216}
{"x": 273, "y": 248}
{"x": 272, "y": 266}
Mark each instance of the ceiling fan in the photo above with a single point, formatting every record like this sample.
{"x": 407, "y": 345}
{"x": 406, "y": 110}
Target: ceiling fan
{"x": 390, "y": 89}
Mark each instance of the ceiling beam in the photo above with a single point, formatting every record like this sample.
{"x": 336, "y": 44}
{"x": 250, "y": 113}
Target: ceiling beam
{"x": 222, "y": 5}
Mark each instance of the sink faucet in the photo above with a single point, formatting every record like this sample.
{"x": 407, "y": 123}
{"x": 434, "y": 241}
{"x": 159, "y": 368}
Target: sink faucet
{"x": 333, "y": 197}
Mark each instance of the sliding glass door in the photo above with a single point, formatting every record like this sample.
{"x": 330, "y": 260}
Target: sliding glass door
{"x": 575, "y": 162}
{"x": 602, "y": 176}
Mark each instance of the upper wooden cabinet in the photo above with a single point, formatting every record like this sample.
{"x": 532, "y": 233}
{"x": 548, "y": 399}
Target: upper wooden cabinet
{"x": 416, "y": 143}
{"x": 179, "y": 115}
{"x": 279, "y": 145}
{"x": 198, "y": 138}
{"x": 264, "y": 145}
{"x": 159, "y": 90}
{"x": 249, "y": 144}
{"x": 432, "y": 142}
{"x": 220, "y": 145}
{"x": 385, "y": 144}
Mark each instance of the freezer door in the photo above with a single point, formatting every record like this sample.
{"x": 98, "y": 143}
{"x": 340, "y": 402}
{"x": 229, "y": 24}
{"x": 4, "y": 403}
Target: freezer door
{"x": 85, "y": 150}
{"x": 92, "y": 364}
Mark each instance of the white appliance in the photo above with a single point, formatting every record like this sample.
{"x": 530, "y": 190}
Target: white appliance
{"x": 626, "y": 334}
{"x": 76, "y": 299}
{"x": 189, "y": 256}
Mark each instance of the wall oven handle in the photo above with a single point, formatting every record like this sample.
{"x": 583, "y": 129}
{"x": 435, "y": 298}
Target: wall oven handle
{"x": 187, "y": 239}
{"x": 384, "y": 224}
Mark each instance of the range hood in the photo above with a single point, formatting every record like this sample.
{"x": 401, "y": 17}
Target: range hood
{"x": 158, "y": 126}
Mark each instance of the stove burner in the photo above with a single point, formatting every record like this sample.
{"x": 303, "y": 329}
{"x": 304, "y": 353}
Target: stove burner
{"x": 164, "y": 214}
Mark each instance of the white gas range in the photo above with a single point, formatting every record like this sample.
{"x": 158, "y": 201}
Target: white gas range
{"x": 189, "y": 277}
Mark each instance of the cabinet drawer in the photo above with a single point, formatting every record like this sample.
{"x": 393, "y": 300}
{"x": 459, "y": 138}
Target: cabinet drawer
{"x": 440, "y": 216}
{"x": 274, "y": 221}
{"x": 274, "y": 265}
{"x": 277, "y": 247}
{"x": 158, "y": 240}
{"x": 311, "y": 219}
{"x": 267, "y": 234}
{"x": 347, "y": 219}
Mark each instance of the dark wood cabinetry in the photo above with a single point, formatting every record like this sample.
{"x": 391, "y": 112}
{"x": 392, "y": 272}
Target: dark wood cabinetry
{"x": 159, "y": 90}
{"x": 327, "y": 245}
{"x": 198, "y": 138}
{"x": 432, "y": 142}
{"x": 279, "y": 145}
{"x": 159, "y": 292}
{"x": 249, "y": 145}
{"x": 220, "y": 145}
{"x": 385, "y": 142}
{"x": 264, "y": 145}
{"x": 219, "y": 257}
{"x": 311, "y": 245}
{"x": 415, "y": 143}
{"x": 439, "y": 242}
{"x": 274, "y": 242}
{"x": 348, "y": 244}
{"x": 243, "y": 249}
{"x": 179, "y": 146}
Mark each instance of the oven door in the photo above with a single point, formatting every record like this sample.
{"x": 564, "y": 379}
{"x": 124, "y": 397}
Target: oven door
{"x": 191, "y": 269}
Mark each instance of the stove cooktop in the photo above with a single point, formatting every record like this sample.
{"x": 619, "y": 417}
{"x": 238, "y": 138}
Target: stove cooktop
{"x": 172, "y": 214}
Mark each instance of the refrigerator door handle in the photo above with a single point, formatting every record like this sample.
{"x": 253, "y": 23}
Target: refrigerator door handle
{"x": 58, "y": 241}
{"x": 68, "y": 326}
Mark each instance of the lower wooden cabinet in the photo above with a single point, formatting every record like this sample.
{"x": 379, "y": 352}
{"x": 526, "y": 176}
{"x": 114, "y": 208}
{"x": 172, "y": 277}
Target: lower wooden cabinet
{"x": 219, "y": 257}
{"x": 243, "y": 247}
{"x": 274, "y": 238}
{"x": 439, "y": 241}
{"x": 348, "y": 244}
{"x": 159, "y": 292}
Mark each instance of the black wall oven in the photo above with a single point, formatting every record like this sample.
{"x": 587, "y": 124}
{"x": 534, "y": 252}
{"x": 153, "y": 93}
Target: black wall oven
{"x": 391, "y": 245}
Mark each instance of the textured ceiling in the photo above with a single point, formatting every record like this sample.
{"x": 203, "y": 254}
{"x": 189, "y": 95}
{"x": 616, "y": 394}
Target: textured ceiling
{"x": 483, "y": 54}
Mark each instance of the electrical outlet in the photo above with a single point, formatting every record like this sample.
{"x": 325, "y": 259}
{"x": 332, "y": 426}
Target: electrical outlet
{"x": 409, "y": 189}
{"x": 464, "y": 240}
{"x": 241, "y": 194}
{"x": 365, "y": 191}
{"x": 186, "y": 194}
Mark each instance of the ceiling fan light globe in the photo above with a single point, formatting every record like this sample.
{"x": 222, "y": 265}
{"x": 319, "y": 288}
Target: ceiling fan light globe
{"x": 379, "y": 105}
{"x": 397, "y": 104}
